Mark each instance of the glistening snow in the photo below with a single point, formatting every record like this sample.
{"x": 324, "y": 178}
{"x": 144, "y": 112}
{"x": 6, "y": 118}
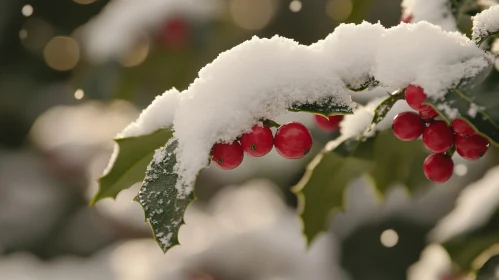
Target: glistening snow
{"x": 261, "y": 78}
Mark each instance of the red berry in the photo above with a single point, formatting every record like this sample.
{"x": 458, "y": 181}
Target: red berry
{"x": 462, "y": 128}
{"x": 258, "y": 142}
{"x": 331, "y": 123}
{"x": 438, "y": 168}
{"x": 415, "y": 96}
{"x": 406, "y": 18}
{"x": 438, "y": 137}
{"x": 227, "y": 156}
{"x": 175, "y": 33}
{"x": 293, "y": 140}
{"x": 472, "y": 147}
{"x": 427, "y": 112}
{"x": 407, "y": 126}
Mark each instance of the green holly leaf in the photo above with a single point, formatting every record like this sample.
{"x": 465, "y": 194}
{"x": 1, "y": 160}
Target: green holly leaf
{"x": 477, "y": 105}
{"x": 163, "y": 206}
{"x": 320, "y": 191}
{"x": 130, "y": 165}
{"x": 325, "y": 107}
{"x": 387, "y": 160}
{"x": 397, "y": 162}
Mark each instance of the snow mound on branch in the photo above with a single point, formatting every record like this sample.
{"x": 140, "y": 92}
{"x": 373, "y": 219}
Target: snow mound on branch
{"x": 425, "y": 55}
{"x": 115, "y": 30}
{"x": 159, "y": 114}
{"x": 475, "y": 205}
{"x": 347, "y": 53}
{"x": 486, "y": 23}
{"x": 437, "y": 12}
{"x": 262, "y": 78}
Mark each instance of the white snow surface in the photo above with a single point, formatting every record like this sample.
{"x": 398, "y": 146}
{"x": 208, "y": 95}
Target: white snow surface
{"x": 122, "y": 22}
{"x": 474, "y": 207}
{"x": 157, "y": 115}
{"x": 261, "y": 78}
{"x": 437, "y": 12}
{"x": 485, "y": 23}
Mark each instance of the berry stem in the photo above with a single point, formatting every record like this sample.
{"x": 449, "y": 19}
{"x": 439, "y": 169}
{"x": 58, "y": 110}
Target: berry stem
{"x": 270, "y": 123}
{"x": 451, "y": 151}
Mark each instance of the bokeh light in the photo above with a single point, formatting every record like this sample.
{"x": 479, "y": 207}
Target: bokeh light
{"x": 23, "y": 34}
{"x": 339, "y": 10}
{"x": 79, "y": 94}
{"x": 389, "y": 238}
{"x": 460, "y": 169}
{"x": 295, "y": 6}
{"x": 252, "y": 14}
{"x": 27, "y": 10}
{"x": 62, "y": 53}
{"x": 138, "y": 54}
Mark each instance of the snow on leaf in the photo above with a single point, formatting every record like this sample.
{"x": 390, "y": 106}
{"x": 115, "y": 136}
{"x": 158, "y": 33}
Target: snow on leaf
{"x": 159, "y": 114}
{"x": 486, "y": 24}
{"x": 163, "y": 206}
{"x": 129, "y": 162}
{"x": 471, "y": 229}
{"x": 466, "y": 251}
{"x": 475, "y": 206}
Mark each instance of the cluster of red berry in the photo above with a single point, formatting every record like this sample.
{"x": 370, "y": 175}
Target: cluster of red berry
{"x": 438, "y": 136}
{"x": 292, "y": 140}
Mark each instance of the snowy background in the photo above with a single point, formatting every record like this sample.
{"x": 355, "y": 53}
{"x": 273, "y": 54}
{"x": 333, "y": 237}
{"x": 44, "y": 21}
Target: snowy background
{"x": 74, "y": 73}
